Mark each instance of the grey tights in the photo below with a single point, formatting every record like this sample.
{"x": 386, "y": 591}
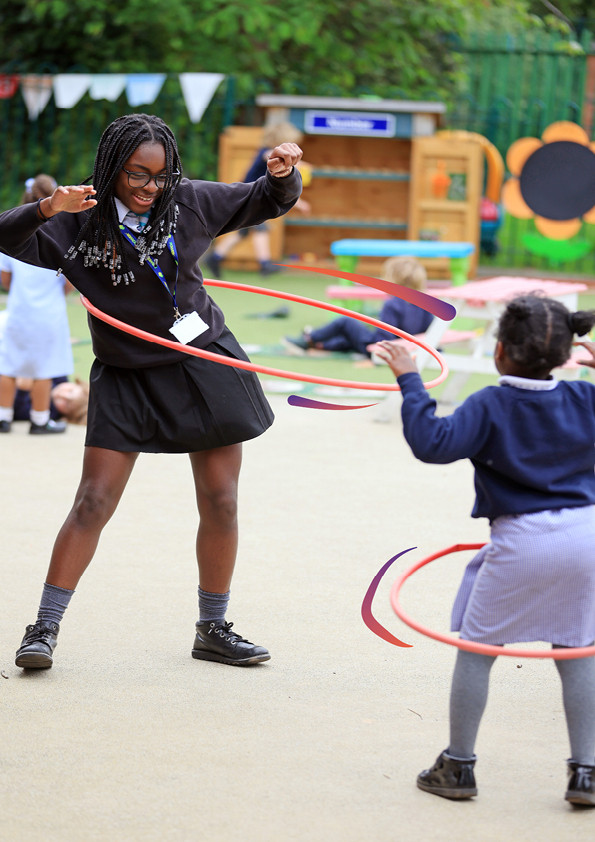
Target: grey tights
{"x": 469, "y": 694}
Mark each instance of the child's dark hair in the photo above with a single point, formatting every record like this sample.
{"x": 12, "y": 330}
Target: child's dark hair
{"x": 100, "y": 239}
{"x": 537, "y": 332}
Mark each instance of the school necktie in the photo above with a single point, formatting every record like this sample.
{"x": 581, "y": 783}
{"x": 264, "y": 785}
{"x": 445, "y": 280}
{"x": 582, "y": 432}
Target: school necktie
{"x": 136, "y": 222}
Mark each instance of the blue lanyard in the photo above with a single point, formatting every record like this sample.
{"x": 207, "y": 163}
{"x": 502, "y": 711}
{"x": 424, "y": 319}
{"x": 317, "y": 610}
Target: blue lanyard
{"x": 155, "y": 266}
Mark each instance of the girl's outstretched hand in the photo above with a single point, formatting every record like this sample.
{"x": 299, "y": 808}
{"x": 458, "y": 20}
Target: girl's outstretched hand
{"x": 590, "y": 347}
{"x": 72, "y": 199}
{"x": 283, "y": 158}
{"x": 396, "y": 355}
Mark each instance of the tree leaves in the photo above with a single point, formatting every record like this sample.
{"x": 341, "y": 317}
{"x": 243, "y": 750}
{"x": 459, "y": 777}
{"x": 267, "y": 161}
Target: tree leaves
{"x": 305, "y": 46}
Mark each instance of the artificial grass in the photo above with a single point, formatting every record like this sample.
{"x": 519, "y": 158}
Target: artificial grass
{"x": 244, "y": 313}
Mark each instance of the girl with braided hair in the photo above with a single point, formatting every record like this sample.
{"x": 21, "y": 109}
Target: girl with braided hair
{"x": 131, "y": 243}
{"x": 530, "y": 440}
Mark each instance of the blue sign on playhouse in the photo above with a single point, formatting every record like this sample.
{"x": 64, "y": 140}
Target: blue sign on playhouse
{"x": 359, "y": 123}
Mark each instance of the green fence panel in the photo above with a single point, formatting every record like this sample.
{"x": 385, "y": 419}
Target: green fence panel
{"x": 516, "y": 86}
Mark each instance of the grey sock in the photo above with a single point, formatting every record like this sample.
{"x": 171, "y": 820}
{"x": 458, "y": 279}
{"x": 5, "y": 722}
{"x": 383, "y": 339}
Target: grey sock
{"x": 212, "y": 606}
{"x": 468, "y": 698}
{"x": 578, "y": 693}
{"x": 54, "y": 602}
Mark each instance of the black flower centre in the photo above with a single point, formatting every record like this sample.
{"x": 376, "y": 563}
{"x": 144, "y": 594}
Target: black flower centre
{"x": 558, "y": 180}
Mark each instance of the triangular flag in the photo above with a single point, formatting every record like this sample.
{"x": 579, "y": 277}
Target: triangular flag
{"x": 107, "y": 86}
{"x": 143, "y": 88}
{"x": 36, "y": 91}
{"x": 69, "y": 88}
{"x": 8, "y": 85}
{"x": 198, "y": 90}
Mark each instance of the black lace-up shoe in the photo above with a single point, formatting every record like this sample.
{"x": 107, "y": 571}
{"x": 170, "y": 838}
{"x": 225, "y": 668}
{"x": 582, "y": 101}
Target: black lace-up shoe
{"x": 449, "y": 777}
{"x": 217, "y": 642}
{"x": 581, "y": 784}
{"x": 52, "y": 427}
{"x": 5, "y": 426}
{"x": 38, "y": 646}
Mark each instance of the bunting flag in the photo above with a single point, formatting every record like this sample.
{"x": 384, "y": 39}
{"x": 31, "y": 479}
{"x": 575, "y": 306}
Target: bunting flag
{"x": 69, "y": 88}
{"x": 143, "y": 88}
{"x": 8, "y": 86}
{"x": 36, "y": 91}
{"x": 107, "y": 86}
{"x": 198, "y": 90}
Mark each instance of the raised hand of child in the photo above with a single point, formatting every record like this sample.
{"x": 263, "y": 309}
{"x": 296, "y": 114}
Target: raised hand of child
{"x": 283, "y": 158}
{"x": 71, "y": 199}
{"x": 590, "y": 347}
{"x": 396, "y": 355}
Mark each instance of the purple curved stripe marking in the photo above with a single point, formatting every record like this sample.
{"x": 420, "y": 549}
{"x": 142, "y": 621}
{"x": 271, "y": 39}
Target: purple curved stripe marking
{"x": 309, "y": 403}
{"x": 427, "y": 302}
{"x": 367, "y": 616}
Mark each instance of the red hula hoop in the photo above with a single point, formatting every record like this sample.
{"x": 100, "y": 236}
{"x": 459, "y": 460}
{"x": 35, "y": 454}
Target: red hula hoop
{"x": 469, "y": 645}
{"x": 277, "y": 372}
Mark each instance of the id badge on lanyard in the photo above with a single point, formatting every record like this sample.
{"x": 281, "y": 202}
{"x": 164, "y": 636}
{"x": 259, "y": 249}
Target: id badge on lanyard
{"x": 188, "y": 326}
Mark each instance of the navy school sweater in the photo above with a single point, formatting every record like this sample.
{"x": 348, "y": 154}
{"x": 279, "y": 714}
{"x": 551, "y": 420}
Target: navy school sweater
{"x": 531, "y": 450}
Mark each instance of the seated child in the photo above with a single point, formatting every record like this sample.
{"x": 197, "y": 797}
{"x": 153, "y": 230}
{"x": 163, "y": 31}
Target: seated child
{"x": 350, "y": 335}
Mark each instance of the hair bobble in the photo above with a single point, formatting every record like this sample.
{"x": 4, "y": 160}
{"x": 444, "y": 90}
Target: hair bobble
{"x": 581, "y": 322}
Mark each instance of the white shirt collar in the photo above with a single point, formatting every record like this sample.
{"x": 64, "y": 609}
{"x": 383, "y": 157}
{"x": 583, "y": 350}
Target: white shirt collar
{"x": 123, "y": 211}
{"x": 527, "y": 383}
{"x": 132, "y": 220}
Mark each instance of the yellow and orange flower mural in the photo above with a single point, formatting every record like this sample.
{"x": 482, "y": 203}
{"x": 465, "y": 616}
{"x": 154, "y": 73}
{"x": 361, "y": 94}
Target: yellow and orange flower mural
{"x": 553, "y": 180}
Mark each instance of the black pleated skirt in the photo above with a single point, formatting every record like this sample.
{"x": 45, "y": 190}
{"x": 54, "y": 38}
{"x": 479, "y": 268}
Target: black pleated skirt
{"x": 182, "y": 407}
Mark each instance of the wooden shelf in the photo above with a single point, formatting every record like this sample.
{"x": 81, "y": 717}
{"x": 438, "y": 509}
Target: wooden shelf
{"x": 443, "y": 204}
{"x": 342, "y": 222}
{"x": 357, "y": 173}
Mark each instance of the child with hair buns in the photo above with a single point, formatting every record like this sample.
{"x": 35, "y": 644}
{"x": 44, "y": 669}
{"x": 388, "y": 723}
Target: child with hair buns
{"x": 530, "y": 440}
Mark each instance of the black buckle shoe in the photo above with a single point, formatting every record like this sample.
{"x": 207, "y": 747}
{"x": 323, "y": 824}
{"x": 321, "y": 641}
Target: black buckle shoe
{"x": 5, "y": 426}
{"x": 37, "y": 647}
{"x": 581, "y": 784}
{"x": 449, "y": 777}
{"x": 50, "y": 428}
{"x": 217, "y": 642}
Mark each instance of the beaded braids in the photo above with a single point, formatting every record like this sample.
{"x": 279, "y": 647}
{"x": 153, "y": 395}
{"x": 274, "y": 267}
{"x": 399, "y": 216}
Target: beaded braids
{"x": 100, "y": 240}
{"x": 537, "y": 332}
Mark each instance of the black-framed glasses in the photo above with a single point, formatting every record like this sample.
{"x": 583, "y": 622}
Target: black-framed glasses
{"x": 141, "y": 179}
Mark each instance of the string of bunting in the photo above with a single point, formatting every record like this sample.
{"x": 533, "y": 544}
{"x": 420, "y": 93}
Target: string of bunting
{"x": 68, "y": 89}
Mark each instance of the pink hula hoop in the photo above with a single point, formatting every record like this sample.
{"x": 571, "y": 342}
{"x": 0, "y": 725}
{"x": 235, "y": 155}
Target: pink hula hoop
{"x": 469, "y": 645}
{"x": 277, "y": 372}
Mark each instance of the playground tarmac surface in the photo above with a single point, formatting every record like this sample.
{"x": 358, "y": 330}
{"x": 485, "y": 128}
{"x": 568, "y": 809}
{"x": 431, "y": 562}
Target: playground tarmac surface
{"x": 128, "y": 738}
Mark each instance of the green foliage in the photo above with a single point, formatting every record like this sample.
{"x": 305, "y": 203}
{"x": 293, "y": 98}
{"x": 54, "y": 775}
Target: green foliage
{"x": 383, "y": 47}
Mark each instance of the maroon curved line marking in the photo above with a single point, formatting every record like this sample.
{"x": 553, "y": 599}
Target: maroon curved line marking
{"x": 310, "y": 403}
{"x": 367, "y": 616}
{"x": 427, "y": 302}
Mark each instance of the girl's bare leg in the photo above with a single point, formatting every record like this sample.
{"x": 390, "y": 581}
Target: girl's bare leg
{"x": 40, "y": 395}
{"x": 216, "y": 474}
{"x": 104, "y": 478}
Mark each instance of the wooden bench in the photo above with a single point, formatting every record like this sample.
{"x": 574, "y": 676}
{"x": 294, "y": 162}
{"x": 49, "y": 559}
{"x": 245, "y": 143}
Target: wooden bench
{"x": 347, "y": 253}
